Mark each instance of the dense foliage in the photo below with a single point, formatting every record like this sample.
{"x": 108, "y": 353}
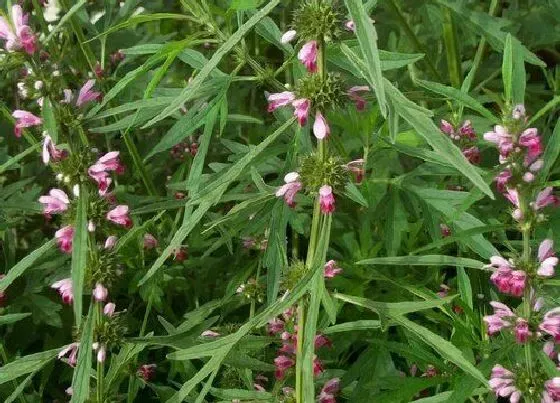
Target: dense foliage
{"x": 279, "y": 201}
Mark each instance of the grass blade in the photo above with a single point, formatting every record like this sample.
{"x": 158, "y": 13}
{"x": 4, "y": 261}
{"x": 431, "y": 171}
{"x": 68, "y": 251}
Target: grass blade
{"x": 79, "y": 253}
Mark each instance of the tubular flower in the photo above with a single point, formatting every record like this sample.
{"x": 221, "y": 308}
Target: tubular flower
{"x": 321, "y": 128}
{"x": 472, "y": 154}
{"x": 499, "y": 320}
{"x": 64, "y": 238}
{"x": 72, "y": 351}
{"x": 119, "y": 215}
{"x": 544, "y": 198}
{"x": 56, "y": 202}
{"x": 150, "y": 242}
{"x": 502, "y": 382}
{"x": 147, "y": 371}
{"x": 530, "y": 139}
{"x": 507, "y": 280}
{"x": 50, "y": 152}
{"x": 502, "y": 179}
{"x": 100, "y": 293}
{"x": 86, "y": 93}
{"x": 64, "y": 288}
{"x": 353, "y": 94}
{"x": 290, "y": 188}
{"x": 551, "y": 393}
{"x": 279, "y": 99}
{"x": 288, "y": 36}
{"x": 551, "y": 324}
{"x": 282, "y": 364}
{"x": 331, "y": 269}
{"x": 547, "y": 259}
{"x": 301, "y": 110}
{"x": 110, "y": 242}
{"x": 357, "y": 168}
{"x": 326, "y": 199}
{"x": 19, "y": 36}
{"x": 522, "y": 331}
{"x": 308, "y": 56}
{"x": 24, "y": 119}
{"x": 502, "y": 139}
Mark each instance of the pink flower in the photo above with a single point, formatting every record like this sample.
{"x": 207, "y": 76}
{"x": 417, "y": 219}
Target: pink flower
{"x": 317, "y": 366}
{"x": 443, "y": 291}
{"x": 502, "y": 382}
{"x": 321, "y": 128}
{"x": 64, "y": 238}
{"x": 99, "y": 173}
{"x": 322, "y": 341}
{"x": 551, "y": 324}
{"x": 498, "y": 320}
{"x": 290, "y": 188}
{"x": 279, "y": 99}
{"x": 331, "y": 269}
{"x": 73, "y": 356}
{"x": 56, "y": 202}
{"x": 119, "y": 215}
{"x": 547, "y": 259}
{"x": 472, "y": 154}
{"x": 86, "y": 94}
{"x": 326, "y": 199}
{"x": 110, "y": 242}
{"x": 447, "y": 127}
{"x": 288, "y": 36}
{"x": 530, "y": 139}
{"x": 111, "y": 162}
{"x": 20, "y": 36}
{"x": 24, "y": 119}
{"x": 100, "y": 293}
{"x": 502, "y": 139}
{"x": 51, "y": 152}
{"x": 350, "y": 26}
{"x": 64, "y": 288}
{"x": 551, "y": 393}
{"x": 466, "y": 130}
{"x": 549, "y": 348}
{"x": 512, "y": 196}
{"x": 282, "y": 363}
{"x": 536, "y": 166}
{"x": 545, "y": 198}
{"x": 522, "y": 332}
{"x": 507, "y": 280}
{"x": 308, "y": 56}
{"x": 275, "y": 326}
{"x": 109, "y": 309}
{"x": 328, "y": 391}
{"x": 101, "y": 351}
{"x": 517, "y": 282}
{"x": 445, "y": 230}
{"x": 528, "y": 177}
{"x": 150, "y": 242}
{"x": 301, "y": 110}
{"x": 353, "y": 93}
{"x": 147, "y": 371}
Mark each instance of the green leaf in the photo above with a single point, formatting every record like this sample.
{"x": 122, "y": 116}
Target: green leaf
{"x": 519, "y": 79}
{"x": 81, "y": 377}
{"x": 230, "y": 394}
{"x": 367, "y": 38}
{"x": 138, "y": 19}
{"x": 79, "y": 253}
{"x": 393, "y": 309}
{"x": 24, "y": 264}
{"x": 543, "y": 111}
{"x": 353, "y": 326}
{"x": 212, "y": 195}
{"x": 49, "y": 120}
{"x": 195, "y": 84}
{"x": 460, "y": 97}
{"x": 426, "y": 260}
{"x": 507, "y": 68}
{"x": 354, "y": 194}
{"x": 17, "y": 158}
{"x": 551, "y": 152}
{"x": 20, "y": 388}
{"x": 245, "y": 4}
{"x": 25, "y": 365}
{"x": 419, "y": 119}
{"x": 12, "y": 318}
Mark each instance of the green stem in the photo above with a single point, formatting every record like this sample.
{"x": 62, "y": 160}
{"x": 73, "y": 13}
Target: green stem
{"x": 299, "y": 352}
{"x": 526, "y": 258}
{"x": 451, "y": 48}
{"x": 100, "y": 365}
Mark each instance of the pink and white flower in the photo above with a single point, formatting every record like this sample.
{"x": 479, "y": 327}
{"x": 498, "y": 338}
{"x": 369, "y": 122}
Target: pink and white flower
{"x": 357, "y": 168}
{"x": 86, "y": 93}
{"x": 551, "y": 324}
{"x": 545, "y": 198}
{"x": 64, "y": 288}
{"x": 100, "y": 293}
{"x": 500, "y": 319}
{"x": 551, "y": 393}
{"x": 282, "y": 364}
{"x": 502, "y": 139}
{"x": 502, "y": 382}
{"x": 290, "y": 188}
{"x": 354, "y": 92}
{"x": 301, "y": 110}
{"x": 288, "y": 36}
{"x": 64, "y": 238}
{"x": 150, "y": 242}
{"x": 50, "y": 152}
{"x": 56, "y": 202}
{"x": 321, "y": 128}
{"x": 547, "y": 259}
{"x": 530, "y": 139}
{"x": 24, "y": 119}
{"x": 326, "y": 199}
{"x": 72, "y": 351}
{"x": 522, "y": 331}
{"x": 19, "y": 35}
{"x": 109, "y": 309}
{"x": 119, "y": 215}
{"x": 502, "y": 179}
{"x": 279, "y": 99}
{"x": 111, "y": 241}
{"x": 331, "y": 269}
{"x": 308, "y": 56}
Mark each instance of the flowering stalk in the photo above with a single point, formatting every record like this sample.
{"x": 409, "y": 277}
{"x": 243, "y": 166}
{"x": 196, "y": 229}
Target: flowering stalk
{"x": 100, "y": 363}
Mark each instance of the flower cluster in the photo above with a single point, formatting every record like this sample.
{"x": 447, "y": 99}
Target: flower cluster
{"x": 465, "y": 137}
{"x": 18, "y": 35}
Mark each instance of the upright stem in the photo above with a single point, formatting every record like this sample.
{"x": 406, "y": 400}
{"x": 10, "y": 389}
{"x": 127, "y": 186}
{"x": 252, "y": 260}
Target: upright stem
{"x": 526, "y": 258}
{"x": 100, "y": 365}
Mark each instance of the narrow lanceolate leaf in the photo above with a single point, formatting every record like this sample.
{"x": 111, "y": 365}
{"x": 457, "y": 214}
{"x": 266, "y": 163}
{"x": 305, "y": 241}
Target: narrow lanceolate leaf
{"x": 353, "y": 326}
{"x": 507, "y": 68}
{"x": 12, "y": 162}
{"x": 138, "y": 19}
{"x": 80, "y": 380}
{"x": 552, "y": 151}
{"x": 193, "y": 87}
{"x": 427, "y": 260}
{"x": 49, "y": 120}
{"x": 25, "y": 365}
{"x": 394, "y": 308}
{"x": 79, "y": 253}
{"x": 460, "y": 97}
{"x": 367, "y": 38}
{"x": 419, "y": 118}
{"x": 24, "y": 264}
{"x": 212, "y": 195}
{"x": 65, "y": 18}
{"x": 446, "y": 349}
{"x": 12, "y": 318}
